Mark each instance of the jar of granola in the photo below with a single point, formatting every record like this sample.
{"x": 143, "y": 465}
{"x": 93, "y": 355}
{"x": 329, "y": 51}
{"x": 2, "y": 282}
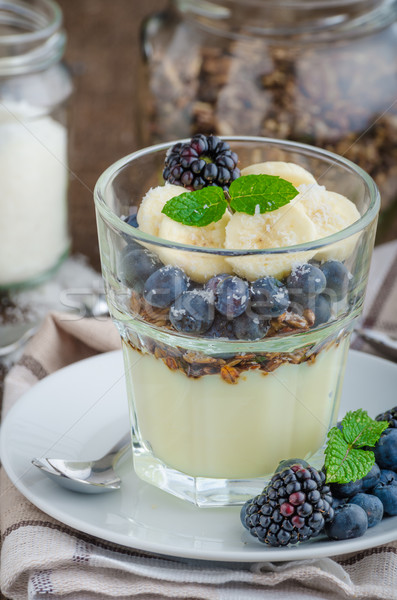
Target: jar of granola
{"x": 322, "y": 73}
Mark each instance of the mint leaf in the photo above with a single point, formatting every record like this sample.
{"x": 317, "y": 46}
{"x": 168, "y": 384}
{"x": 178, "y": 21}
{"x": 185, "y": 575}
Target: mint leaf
{"x": 198, "y": 208}
{"x": 344, "y": 460}
{"x": 255, "y": 194}
{"x": 344, "y": 463}
{"x": 360, "y": 430}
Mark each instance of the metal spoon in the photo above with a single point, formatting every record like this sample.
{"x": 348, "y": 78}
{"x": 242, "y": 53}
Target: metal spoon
{"x": 90, "y": 477}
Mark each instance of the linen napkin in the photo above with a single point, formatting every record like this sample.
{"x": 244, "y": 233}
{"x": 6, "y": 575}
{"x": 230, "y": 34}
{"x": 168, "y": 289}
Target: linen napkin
{"x": 44, "y": 559}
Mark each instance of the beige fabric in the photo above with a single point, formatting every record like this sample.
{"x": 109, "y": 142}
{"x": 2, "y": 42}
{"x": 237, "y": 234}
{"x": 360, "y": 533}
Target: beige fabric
{"x": 42, "y": 558}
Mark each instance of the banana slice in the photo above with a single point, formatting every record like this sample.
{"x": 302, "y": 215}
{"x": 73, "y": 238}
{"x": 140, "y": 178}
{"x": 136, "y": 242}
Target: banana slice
{"x": 330, "y": 212}
{"x": 291, "y": 172}
{"x": 286, "y": 226}
{"x": 149, "y": 214}
{"x": 199, "y": 267}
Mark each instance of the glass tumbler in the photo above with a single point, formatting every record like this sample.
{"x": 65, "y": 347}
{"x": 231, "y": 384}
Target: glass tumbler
{"x": 213, "y": 406}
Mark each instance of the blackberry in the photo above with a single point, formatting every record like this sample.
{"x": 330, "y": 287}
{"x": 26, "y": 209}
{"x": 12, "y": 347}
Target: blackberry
{"x": 294, "y": 507}
{"x": 204, "y": 161}
{"x": 390, "y": 416}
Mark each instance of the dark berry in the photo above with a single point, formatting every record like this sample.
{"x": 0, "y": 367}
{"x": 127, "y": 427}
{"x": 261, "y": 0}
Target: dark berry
{"x": 164, "y": 286}
{"x": 136, "y": 265}
{"x": 221, "y": 328}
{"x": 250, "y": 327}
{"x": 212, "y": 283}
{"x": 205, "y": 160}
{"x": 132, "y": 220}
{"x": 372, "y": 506}
{"x": 371, "y": 479}
{"x": 385, "y": 449}
{"x": 269, "y": 297}
{"x": 232, "y": 297}
{"x": 192, "y": 312}
{"x": 390, "y": 416}
{"x": 243, "y": 513}
{"x": 284, "y": 515}
{"x": 350, "y": 521}
{"x": 387, "y": 476}
{"x": 322, "y": 309}
{"x": 291, "y": 461}
{"x": 306, "y": 279}
{"x": 346, "y": 490}
{"x": 386, "y": 491}
{"x": 337, "y": 277}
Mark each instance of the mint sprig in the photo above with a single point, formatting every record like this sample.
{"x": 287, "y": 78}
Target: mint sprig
{"x": 251, "y": 194}
{"x": 345, "y": 458}
{"x": 198, "y": 208}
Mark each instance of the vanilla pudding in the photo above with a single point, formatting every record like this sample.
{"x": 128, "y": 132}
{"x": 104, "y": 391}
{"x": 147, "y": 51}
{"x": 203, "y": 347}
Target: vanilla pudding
{"x": 206, "y": 427}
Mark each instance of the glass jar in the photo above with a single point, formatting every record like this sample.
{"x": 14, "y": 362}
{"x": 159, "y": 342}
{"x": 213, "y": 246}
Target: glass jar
{"x": 34, "y": 89}
{"x": 214, "y": 406}
{"x": 322, "y": 73}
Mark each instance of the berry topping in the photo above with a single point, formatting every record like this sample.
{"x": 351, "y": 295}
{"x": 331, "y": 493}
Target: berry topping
{"x": 136, "y": 265}
{"x": 132, "y": 220}
{"x": 192, "y": 312}
{"x": 232, "y": 297}
{"x": 306, "y": 279}
{"x": 164, "y": 286}
{"x": 350, "y": 521}
{"x": 204, "y": 161}
{"x": 337, "y": 277}
{"x": 250, "y": 327}
{"x": 390, "y": 416}
{"x": 269, "y": 297}
{"x": 278, "y": 518}
{"x": 372, "y": 506}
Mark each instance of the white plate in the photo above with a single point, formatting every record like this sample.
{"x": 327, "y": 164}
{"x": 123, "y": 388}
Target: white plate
{"x": 82, "y": 410}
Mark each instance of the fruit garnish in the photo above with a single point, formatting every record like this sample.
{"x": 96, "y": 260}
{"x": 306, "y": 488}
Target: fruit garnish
{"x": 390, "y": 416}
{"x": 346, "y": 459}
{"x": 205, "y": 160}
{"x": 250, "y": 194}
{"x": 292, "y": 508}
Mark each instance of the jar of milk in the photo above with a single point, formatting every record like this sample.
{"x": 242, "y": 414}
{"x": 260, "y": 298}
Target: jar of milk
{"x": 34, "y": 90}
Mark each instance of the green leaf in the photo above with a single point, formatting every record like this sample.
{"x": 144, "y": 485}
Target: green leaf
{"x": 343, "y": 463}
{"x": 344, "y": 460}
{"x": 199, "y": 208}
{"x": 360, "y": 430}
{"x": 255, "y": 194}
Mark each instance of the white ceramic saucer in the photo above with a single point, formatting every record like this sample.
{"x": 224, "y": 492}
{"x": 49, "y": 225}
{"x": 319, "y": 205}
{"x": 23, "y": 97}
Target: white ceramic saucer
{"x": 80, "y": 411}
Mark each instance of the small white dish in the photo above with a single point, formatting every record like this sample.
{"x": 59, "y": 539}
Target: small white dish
{"x": 81, "y": 410}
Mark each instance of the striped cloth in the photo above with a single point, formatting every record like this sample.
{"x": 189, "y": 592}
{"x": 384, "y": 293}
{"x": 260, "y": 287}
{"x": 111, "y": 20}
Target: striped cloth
{"x": 43, "y": 559}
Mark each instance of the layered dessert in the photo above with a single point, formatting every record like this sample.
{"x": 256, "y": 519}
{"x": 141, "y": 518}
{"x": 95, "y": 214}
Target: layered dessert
{"x": 235, "y": 325}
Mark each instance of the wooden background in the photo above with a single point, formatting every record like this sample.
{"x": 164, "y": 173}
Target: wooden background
{"x": 102, "y": 54}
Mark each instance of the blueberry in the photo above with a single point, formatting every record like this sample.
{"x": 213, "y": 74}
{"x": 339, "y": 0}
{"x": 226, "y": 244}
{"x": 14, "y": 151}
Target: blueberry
{"x": 371, "y": 479}
{"x": 164, "y": 286}
{"x": 250, "y": 327}
{"x": 132, "y": 220}
{"x": 221, "y": 328}
{"x": 269, "y": 297}
{"x": 387, "y": 476}
{"x": 350, "y": 521}
{"x": 136, "y": 265}
{"x": 232, "y": 297}
{"x": 386, "y": 450}
{"x": 192, "y": 312}
{"x": 212, "y": 283}
{"x": 372, "y": 506}
{"x": 338, "y": 502}
{"x": 306, "y": 279}
{"x": 337, "y": 277}
{"x": 322, "y": 310}
{"x": 386, "y": 491}
{"x": 346, "y": 490}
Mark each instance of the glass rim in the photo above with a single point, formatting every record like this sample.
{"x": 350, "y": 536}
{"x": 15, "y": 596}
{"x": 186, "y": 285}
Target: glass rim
{"x": 121, "y": 226}
{"x": 53, "y": 23}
